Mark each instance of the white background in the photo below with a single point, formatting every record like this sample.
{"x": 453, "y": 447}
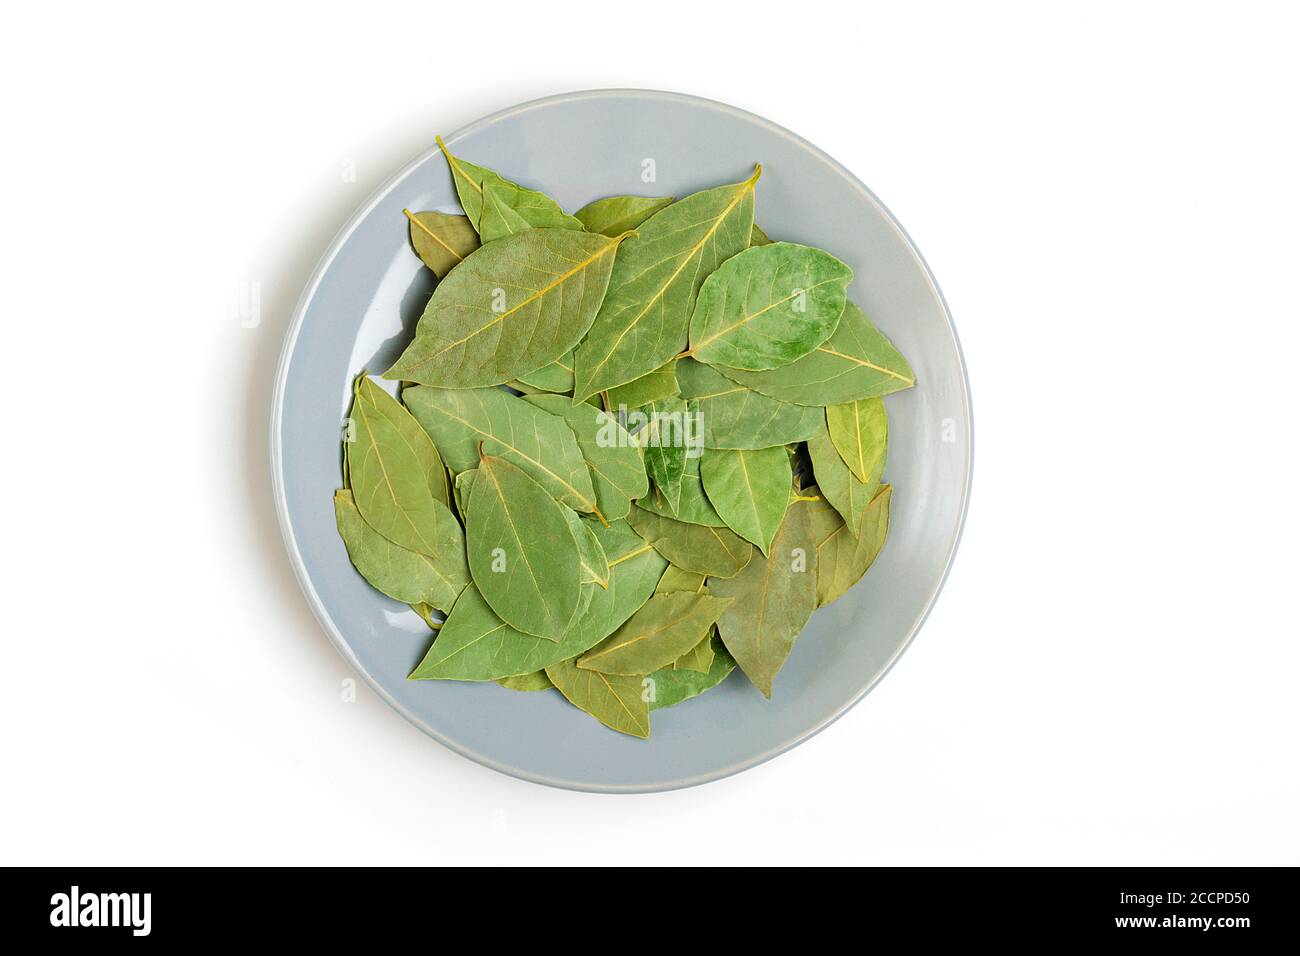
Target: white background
{"x": 1109, "y": 195}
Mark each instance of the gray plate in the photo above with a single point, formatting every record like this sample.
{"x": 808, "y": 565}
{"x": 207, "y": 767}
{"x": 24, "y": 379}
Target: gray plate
{"x": 360, "y": 308}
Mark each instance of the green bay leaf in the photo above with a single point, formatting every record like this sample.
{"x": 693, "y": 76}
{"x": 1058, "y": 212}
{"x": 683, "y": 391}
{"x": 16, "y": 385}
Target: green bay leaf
{"x": 643, "y": 320}
{"x": 860, "y": 433}
{"x": 716, "y": 552}
{"x": 408, "y": 576}
{"x": 540, "y": 443}
{"x": 441, "y": 241}
{"x": 749, "y": 490}
{"x": 768, "y": 306}
{"x": 615, "y": 701}
{"x": 772, "y": 600}
{"x": 619, "y": 214}
{"x": 523, "y": 556}
{"x": 856, "y": 362}
{"x": 658, "y": 634}
{"x": 733, "y": 416}
{"x": 511, "y": 307}
{"x": 614, "y": 459}
{"x": 397, "y": 477}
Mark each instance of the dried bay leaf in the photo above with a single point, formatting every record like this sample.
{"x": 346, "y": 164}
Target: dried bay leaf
{"x": 619, "y": 214}
{"x": 693, "y": 505}
{"x": 614, "y": 459}
{"x": 405, "y": 575}
{"x": 838, "y": 484}
{"x": 511, "y": 307}
{"x": 591, "y": 556}
{"x": 615, "y": 701}
{"x": 655, "y": 636}
{"x": 474, "y": 644}
{"x": 556, "y": 377}
{"x": 843, "y": 559}
{"x": 468, "y": 180}
{"x": 479, "y": 188}
{"x": 769, "y": 306}
{"x": 860, "y": 433}
{"x": 498, "y": 218}
{"x": 587, "y": 316}
{"x": 650, "y": 387}
{"x": 523, "y": 555}
{"x": 671, "y": 686}
{"x": 634, "y": 570}
{"x": 664, "y": 441}
{"x": 441, "y": 241}
{"x": 750, "y": 490}
{"x": 679, "y": 579}
{"x": 398, "y": 481}
{"x": 535, "y": 440}
{"x": 733, "y": 416}
{"x": 717, "y": 552}
{"x": 699, "y": 658}
{"x": 509, "y": 208}
{"x": 537, "y": 680}
{"x": 643, "y": 320}
{"x": 856, "y": 362}
{"x": 772, "y": 600}
{"x": 379, "y": 402}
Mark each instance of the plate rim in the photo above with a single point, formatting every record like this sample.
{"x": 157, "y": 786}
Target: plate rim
{"x": 276, "y": 452}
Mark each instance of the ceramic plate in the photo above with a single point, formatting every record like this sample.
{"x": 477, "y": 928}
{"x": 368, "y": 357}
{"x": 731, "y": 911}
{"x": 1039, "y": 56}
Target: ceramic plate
{"x": 360, "y": 308}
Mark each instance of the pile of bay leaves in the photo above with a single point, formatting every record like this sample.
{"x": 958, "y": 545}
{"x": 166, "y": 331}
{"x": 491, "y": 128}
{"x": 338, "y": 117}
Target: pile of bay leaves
{"x": 635, "y": 446}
